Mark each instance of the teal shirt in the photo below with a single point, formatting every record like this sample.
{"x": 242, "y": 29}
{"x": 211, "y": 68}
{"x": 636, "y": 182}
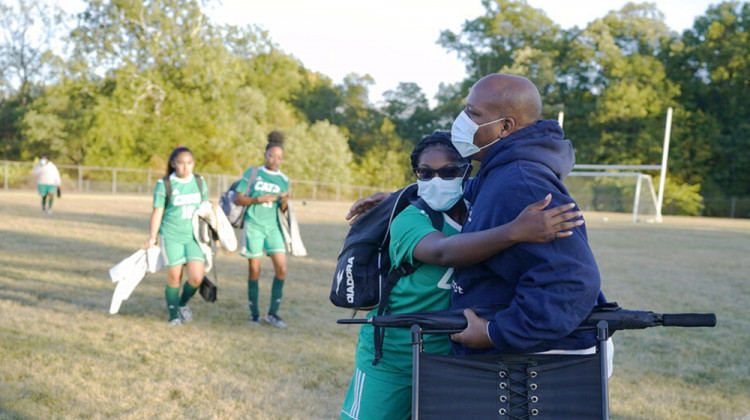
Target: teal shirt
{"x": 177, "y": 220}
{"x": 267, "y": 182}
{"x": 427, "y": 289}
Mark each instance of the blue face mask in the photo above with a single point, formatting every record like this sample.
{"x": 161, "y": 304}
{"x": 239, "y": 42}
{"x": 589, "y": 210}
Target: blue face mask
{"x": 441, "y": 194}
{"x": 462, "y": 134}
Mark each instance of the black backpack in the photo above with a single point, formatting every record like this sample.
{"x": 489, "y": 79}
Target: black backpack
{"x": 363, "y": 279}
{"x": 168, "y": 188}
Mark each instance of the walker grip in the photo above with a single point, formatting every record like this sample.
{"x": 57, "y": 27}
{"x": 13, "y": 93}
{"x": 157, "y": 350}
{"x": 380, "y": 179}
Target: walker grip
{"x": 689, "y": 320}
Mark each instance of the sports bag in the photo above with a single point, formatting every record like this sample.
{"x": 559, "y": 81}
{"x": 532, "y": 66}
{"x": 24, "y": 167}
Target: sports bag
{"x": 235, "y": 212}
{"x": 362, "y": 269}
{"x": 363, "y": 279}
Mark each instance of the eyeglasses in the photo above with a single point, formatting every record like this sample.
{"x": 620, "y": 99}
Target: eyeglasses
{"x": 446, "y": 172}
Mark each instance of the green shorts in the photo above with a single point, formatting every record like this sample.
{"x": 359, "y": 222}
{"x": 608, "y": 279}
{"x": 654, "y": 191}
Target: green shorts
{"x": 377, "y": 395}
{"x": 262, "y": 238}
{"x": 177, "y": 252}
{"x": 46, "y": 189}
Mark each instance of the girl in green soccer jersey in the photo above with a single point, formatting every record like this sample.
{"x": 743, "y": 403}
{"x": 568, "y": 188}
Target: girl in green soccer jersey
{"x": 262, "y": 231}
{"x": 383, "y": 391}
{"x": 172, "y": 222}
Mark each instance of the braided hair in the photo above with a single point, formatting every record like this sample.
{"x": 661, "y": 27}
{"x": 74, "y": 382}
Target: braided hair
{"x": 441, "y": 139}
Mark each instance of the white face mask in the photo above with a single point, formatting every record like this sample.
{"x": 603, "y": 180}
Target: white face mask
{"x": 462, "y": 134}
{"x": 441, "y": 194}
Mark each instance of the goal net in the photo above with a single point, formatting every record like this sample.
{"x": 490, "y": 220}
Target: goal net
{"x": 614, "y": 190}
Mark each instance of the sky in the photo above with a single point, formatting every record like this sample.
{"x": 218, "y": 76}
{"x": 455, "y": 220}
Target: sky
{"x": 395, "y": 40}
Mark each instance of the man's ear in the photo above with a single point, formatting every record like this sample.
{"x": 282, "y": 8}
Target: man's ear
{"x": 507, "y": 127}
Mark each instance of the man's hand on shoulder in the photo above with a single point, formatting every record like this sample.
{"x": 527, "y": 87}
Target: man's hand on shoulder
{"x": 475, "y": 334}
{"x": 363, "y": 205}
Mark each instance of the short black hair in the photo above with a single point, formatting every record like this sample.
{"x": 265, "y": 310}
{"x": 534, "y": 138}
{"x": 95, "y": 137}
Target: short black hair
{"x": 275, "y": 139}
{"x": 437, "y": 139}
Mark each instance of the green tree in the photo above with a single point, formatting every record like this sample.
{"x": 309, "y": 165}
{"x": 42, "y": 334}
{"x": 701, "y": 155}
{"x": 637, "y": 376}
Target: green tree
{"x": 492, "y": 42}
{"x": 712, "y": 64}
{"x": 387, "y": 164}
{"x": 407, "y": 107}
{"x": 630, "y": 91}
{"x": 318, "y": 99}
{"x": 319, "y": 152}
{"x": 26, "y": 60}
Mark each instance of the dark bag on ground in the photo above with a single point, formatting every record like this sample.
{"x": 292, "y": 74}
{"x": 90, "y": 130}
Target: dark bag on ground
{"x": 235, "y": 212}
{"x": 208, "y": 290}
{"x": 363, "y": 279}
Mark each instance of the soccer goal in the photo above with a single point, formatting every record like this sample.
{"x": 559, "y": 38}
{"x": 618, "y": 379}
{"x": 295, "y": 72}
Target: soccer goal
{"x": 615, "y": 188}
{"x": 621, "y": 188}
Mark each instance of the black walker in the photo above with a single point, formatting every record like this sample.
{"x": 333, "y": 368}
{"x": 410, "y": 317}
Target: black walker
{"x": 518, "y": 386}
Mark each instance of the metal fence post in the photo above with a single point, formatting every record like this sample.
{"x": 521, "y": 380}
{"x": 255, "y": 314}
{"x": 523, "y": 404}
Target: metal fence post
{"x": 114, "y": 181}
{"x": 80, "y": 178}
{"x": 6, "y": 176}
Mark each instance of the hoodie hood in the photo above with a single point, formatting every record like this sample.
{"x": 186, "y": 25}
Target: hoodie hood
{"x": 541, "y": 142}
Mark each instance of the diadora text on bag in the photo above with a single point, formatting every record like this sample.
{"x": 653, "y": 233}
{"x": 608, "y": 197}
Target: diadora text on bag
{"x": 361, "y": 279}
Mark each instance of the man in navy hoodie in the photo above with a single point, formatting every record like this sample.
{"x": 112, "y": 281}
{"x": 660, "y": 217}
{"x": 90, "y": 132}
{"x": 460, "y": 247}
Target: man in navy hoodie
{"x": 548, "y": 288}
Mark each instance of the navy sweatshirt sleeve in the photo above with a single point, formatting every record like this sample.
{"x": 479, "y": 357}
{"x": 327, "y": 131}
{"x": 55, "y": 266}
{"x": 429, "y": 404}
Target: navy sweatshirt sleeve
{"x": 548, "y": 288}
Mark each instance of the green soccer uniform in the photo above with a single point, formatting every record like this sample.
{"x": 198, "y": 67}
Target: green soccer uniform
{"x": 384, "y": 391}
{"x": 262, "y": 230}
{"x": 176, "y": 231}
{"x": 46, "y": 189}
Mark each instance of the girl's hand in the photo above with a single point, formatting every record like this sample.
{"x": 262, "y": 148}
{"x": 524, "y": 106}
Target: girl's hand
{"x": 537, "y": 225}
{"x": 267, "y": 198}
{"x": 150, "y": 242}
{"x": 284, "y": 196}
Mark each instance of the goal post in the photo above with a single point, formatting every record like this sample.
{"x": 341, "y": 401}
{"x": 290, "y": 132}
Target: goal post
{"x": 641, "y": 178}
{"x": 607, "y": 191}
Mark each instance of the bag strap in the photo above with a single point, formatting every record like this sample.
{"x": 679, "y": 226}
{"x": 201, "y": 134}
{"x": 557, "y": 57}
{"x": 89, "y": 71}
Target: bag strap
{"x": 168, "y": 188}
{"x": 384, "y": 308}
{"x": 405, "y": 269}
{"x": 214, "y": 237}
{"x": 251, "y": 180}
{"x": 199, "y": 181}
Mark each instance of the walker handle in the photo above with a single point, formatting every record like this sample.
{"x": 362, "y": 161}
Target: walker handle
{"x": 689, "y": 320}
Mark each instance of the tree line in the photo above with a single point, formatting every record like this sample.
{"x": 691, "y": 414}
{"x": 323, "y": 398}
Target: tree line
{"x": 126, "y": 81}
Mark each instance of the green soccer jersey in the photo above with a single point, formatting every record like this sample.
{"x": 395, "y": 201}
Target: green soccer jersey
{"x": 427, "y": 289}
{"x": 267, "y": 182}
{"x": 178, "y": 215}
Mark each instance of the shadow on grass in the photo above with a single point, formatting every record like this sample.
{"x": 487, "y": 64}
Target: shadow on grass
{"x": 26, "y": 243}
{"x": 39, "y": 268}
{"x": 97, "y": 215}
{"x": 139, "y": 222}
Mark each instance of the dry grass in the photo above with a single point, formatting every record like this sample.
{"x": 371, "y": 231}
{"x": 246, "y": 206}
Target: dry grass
{"x": 64, "y": 356}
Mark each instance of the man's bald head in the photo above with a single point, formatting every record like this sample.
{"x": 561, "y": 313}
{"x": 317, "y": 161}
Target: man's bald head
{"x": 512, "y": 96}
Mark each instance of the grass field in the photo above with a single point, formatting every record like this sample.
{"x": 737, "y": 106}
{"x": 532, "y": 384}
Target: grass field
{"x": 65, "y": 356}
